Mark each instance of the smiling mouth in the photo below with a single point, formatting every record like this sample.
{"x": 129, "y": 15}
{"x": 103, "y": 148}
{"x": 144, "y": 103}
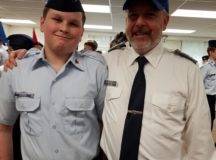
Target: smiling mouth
{"x": 65, "y": 37}
{"x": 141, "y": 33}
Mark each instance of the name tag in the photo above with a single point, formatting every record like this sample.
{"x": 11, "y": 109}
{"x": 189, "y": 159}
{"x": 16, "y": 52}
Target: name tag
{"x": 110, "y": 83}
{"x": 23, "y": 94}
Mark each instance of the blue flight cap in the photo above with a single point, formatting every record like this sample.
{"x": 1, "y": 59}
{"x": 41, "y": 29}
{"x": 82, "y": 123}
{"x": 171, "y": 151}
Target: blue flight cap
{"x": 20, "y": 41}
{"x": 159, "y": 4}
{"x": 212, "y": 43}
{"x": 65, "y": 5}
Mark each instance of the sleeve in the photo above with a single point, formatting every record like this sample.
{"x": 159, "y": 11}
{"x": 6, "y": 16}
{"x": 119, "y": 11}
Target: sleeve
{"x": 8, "y": 113}
{"x": 198, "y": 136}
{"x": 102, "y": 74}
{"x": 204, "y": 72}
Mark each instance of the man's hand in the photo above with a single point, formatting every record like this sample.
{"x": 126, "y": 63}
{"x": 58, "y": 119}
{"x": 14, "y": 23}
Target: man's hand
{"x": 11, "y": 62}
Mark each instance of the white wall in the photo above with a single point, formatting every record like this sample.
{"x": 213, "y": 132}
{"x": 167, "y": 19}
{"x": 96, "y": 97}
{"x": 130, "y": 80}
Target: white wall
{"x": 195, "y": 47}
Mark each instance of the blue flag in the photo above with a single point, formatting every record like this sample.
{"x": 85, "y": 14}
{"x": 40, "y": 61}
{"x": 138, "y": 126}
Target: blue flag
{"x": 2, "y": 34}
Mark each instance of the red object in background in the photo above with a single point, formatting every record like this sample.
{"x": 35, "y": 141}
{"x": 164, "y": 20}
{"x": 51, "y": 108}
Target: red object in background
{"x": 34, "y": 37}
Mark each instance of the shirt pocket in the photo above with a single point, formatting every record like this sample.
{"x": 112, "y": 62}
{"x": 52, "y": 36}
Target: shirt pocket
{"x": 168, "y": 109}
{"x": 113, "y": 93}
{"x": 112, "y": 104}
{"x": 75, "y": 113}
{"x": 168, "y": 114}
{"x": 168, "y": 103}
{"x": 30, "y": 117}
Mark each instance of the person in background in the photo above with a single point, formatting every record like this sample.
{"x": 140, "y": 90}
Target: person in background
{"x": 18, "y": 41}
{"x": 3, "y": 53}
{"x": 60, "y": 112}
{"x": 205, "y": 59}
{"x": 90, "y": 45}
{"x": 209, "y": 78}
{"x": 155, "y": 105}
{"x": 118, "y": 42}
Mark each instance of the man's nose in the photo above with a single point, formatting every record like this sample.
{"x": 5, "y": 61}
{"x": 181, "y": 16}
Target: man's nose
{"x": 141, "y": 21}
{"x": 64, "y": 27}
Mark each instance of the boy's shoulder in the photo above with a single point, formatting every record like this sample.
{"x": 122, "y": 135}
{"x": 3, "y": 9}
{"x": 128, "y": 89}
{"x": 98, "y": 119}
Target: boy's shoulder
{"x": 93, "y": 56}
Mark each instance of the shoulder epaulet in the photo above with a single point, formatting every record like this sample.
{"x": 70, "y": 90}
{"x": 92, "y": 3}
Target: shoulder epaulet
{"x": 184, "y": 55}
{"x": 94, "y": 55}
{"x": 118, "y": 46}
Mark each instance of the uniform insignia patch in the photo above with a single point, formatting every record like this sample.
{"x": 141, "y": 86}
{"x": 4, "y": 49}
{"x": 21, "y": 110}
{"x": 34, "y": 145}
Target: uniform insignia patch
{"x": 23, "y": 94}
{"x": 110, "y": 83}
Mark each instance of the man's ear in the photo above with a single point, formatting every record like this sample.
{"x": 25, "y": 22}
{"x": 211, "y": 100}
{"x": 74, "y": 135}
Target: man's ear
{"x": 82, "y": 34}
{"x": 165, "y": 21}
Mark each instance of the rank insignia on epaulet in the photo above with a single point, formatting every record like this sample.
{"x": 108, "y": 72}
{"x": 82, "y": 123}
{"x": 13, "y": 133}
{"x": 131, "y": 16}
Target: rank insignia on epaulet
{"x": 118, "y": 46}
{"x": 181, "y": 54}
{"x": 110, "y": 83}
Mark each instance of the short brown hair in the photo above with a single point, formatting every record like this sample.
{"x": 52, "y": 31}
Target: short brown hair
{"x": 210, "y": 49}
{"x": 45, "y": 11}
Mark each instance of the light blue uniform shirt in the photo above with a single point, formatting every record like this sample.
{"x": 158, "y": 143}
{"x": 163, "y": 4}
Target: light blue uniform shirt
{"x": 209, "y": 77}
{"x": 59, "y": 112}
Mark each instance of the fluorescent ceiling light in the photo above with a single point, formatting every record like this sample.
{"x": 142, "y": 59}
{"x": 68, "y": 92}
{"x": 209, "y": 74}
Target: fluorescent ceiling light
{"x": 96, "y": 8}
{"x": 179, "y": 31}
{"x": 18, "y": 21}
{"x": 89, "y": 26}
{"x": 194, "y": 13}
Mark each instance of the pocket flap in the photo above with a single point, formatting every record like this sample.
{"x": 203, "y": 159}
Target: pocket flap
{"x": 76, "y": 104}
{"x": 27, "y": 104}
{"x": 169, "y": 102}
{"x": 161, "y": 100}
{"x": 113, "y": 93}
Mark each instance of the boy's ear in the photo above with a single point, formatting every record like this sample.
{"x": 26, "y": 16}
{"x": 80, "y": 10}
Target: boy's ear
{"x": 82, "y": 34}
{"x": 42, "y": 19}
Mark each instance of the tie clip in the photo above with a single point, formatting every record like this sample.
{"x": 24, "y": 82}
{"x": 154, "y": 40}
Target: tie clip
{"x": 135, "y": 112}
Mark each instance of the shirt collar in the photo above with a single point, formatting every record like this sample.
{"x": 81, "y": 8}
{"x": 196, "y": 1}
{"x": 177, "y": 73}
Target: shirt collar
{"x": 152, "y": 56}
{"x": 75, "y": 59}
{"x": 39, "y": 60}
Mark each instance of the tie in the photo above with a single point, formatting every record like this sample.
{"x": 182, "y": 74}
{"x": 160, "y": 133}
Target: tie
{"x": 133, "y": 121}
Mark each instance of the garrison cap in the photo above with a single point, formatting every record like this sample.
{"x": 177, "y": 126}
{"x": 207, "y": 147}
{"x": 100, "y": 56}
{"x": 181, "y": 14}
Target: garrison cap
{"x": 212, "y": 43}
{"x": 65, "y": 5}
{"x": 159, "y": 4}
{"x": 20, "y": 41}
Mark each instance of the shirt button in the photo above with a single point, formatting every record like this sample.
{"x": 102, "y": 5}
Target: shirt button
{"x": 56, "y": 151}
{"x": 54, "y": 126}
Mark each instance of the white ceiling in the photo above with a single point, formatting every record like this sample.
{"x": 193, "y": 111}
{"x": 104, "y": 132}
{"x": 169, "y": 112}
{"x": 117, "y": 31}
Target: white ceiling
{"x": 32, "y": 9}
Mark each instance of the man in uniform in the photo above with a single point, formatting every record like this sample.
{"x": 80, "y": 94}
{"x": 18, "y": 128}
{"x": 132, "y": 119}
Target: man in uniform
{"x": 59, "y": 110}
{"x": 3, "y": 53}
{"x": 155, "y": 104}
{"x": 205, "y": 59}
{"x": 90, "y": 45}
{"x": 209, "y": 77}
